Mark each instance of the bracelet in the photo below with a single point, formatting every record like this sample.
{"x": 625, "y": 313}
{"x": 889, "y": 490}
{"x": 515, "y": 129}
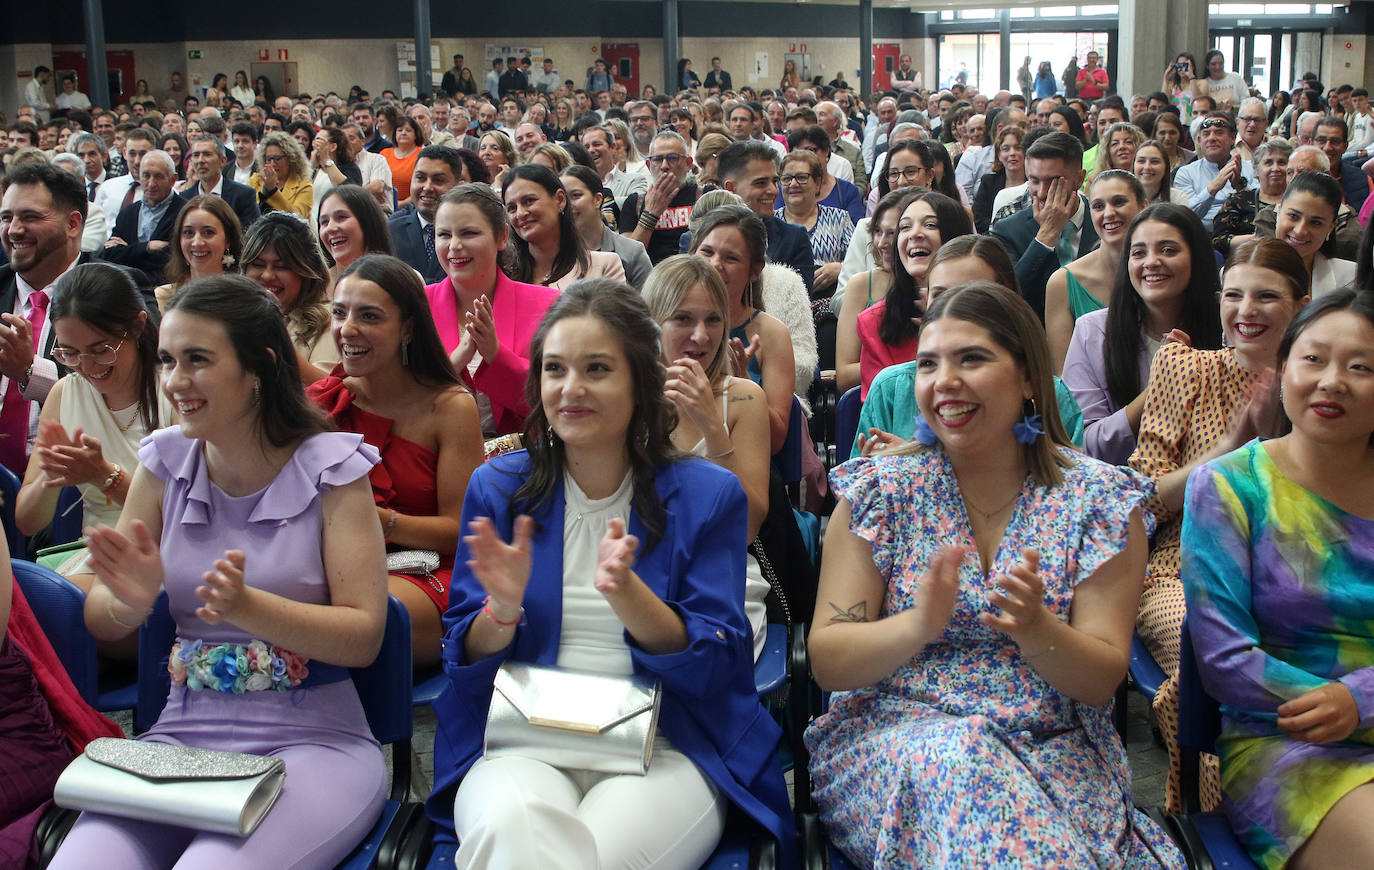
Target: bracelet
{"x": 486, "y": 608}
{"x": 113, "y": 480}
{"x": 648, "y": 221}
{"x": 110, "y": 612}
{"x": 390, "y": 525}
{"x": 721, "y": 455}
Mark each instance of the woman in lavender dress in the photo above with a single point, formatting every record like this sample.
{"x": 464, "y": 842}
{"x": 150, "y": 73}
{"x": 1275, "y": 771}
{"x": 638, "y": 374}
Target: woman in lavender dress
{"x": 260, "y": 524}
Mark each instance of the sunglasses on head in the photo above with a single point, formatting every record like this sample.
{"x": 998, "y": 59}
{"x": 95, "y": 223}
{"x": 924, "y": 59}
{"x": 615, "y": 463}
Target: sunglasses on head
{"x": 1215, "y": 123}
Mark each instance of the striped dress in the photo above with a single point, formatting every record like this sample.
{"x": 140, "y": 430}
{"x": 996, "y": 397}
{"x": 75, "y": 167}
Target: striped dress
{"x": 1280, "y": 586}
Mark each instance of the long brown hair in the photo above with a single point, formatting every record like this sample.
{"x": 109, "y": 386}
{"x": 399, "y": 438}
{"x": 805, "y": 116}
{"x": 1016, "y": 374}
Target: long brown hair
{"x": 649, "y": 438}
{"x": 178, "y": 271}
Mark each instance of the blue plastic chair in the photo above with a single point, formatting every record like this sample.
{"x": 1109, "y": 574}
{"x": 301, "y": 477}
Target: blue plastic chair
{"x": 787, "y": 462}
{"x": 385, "y": 697}
{"x": 9, "y": 492}
{"x": 847, "y": 424}
{"x": 1145, "y": 672}
{"x": 58, "y": 605}
{"x": 1207, "y": 837}
{"x": 68, "y": 519}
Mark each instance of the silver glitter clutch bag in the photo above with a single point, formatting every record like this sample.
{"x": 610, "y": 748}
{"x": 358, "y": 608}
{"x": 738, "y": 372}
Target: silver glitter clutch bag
{"x": 203, "y": 789}
{"x": 412, "y": 562}
{"x": 573, "y": 719}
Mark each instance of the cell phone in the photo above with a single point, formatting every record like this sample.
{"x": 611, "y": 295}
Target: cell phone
{"x": 1180, "y": 67}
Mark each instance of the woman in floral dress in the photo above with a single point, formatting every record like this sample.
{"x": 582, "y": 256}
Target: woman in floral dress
{"x": 976, "y": 604}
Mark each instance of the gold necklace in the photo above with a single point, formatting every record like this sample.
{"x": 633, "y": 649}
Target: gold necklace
{"x": 987, "y": 517}
{"x": 125, "y": 427}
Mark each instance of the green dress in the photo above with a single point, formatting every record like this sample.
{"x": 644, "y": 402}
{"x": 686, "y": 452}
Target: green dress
{"x": 1080, "y": 300}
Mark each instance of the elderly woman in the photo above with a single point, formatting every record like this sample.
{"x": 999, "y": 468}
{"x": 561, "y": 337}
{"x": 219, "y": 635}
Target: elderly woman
{"x": 1235, "y": 223}
{"x": 828, "y": 228}
{"x": 830, "y": 190}
{"x": 283, "y": 179}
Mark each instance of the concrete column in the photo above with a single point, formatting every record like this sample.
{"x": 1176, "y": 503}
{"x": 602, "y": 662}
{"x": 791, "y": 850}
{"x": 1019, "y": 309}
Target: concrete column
{"x": 672, "y": 50}
{"x": 866, "y": 49}
{"x": 98, "y": 88}
{"x": 424, "y": 77}
{"x": 1004, "y": 49}
{"x": 1149, "y": 39}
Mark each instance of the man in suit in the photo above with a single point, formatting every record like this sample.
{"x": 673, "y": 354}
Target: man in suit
{"x": 750, "y": 170}
{"x": 450, "y": 82}
{"x": 718, "y": 79}
{"x": 1056, "y": 229}
{"x": 207, "y": 165}
{"x": 42, "y": 218}
{"x": 437, "y": 171}
{"x": 143, "y": 229}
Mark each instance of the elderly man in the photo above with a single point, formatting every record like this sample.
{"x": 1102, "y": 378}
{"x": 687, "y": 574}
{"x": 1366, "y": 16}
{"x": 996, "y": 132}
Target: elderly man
{"x": 830, "y": 117}
{"x": 458, "y": 123}
{"x": 1306, "y": 129}
{"x": 1208, "y": 180}
{"x": 422, "y": 115}
{"x": 375, "y": 170}
{"x": 143, "y": 230}
{"x": 120, "y": 191}
{"x": 1252, "y": 121}
{"x": 659, "y": 217}
{"x": 877, "y": 132}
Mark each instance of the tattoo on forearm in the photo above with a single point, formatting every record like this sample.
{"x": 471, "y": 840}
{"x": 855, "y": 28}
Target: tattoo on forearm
{"x": 856, "y": 613}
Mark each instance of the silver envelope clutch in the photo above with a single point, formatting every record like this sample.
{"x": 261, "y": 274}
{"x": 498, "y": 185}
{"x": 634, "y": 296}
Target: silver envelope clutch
{"x": 573, "y": 719}
{"x": 412, "y": 562}
{"x": 222, "y": 792}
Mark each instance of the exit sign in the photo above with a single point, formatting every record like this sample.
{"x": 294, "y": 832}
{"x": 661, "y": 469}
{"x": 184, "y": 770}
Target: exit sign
{"x": 194, "y": 54}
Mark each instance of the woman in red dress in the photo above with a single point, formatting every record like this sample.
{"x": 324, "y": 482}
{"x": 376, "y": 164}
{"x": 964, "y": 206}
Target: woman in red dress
{"x": 396, "y": 388}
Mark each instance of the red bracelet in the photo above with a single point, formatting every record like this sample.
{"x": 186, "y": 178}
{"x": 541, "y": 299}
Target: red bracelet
{"x": 486, "y": 608}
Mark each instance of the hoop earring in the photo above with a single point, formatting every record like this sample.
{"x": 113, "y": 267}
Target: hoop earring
{"x": 1029, "y": 427}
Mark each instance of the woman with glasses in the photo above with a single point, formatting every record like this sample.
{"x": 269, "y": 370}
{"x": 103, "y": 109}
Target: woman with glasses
{"x": 830, "y": 190}
{"x": 828, "y": 228}
{"x": 283, "y": 178}
{"x": 1235, "y": 223}
{"x": 96, "y": 416}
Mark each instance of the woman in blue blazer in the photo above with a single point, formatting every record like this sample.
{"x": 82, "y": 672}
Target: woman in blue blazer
{"x": 624, "y": 557}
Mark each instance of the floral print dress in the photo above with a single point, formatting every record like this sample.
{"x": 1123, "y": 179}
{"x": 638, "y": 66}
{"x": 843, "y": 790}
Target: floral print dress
{"x": 965, "y": 756}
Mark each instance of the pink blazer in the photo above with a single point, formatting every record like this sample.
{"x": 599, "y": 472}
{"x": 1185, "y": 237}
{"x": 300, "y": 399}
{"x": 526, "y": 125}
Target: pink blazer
{"x": 517, "y": 309}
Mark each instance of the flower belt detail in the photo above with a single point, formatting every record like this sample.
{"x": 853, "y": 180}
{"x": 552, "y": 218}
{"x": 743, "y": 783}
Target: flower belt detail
{"x": 235, "y": 668}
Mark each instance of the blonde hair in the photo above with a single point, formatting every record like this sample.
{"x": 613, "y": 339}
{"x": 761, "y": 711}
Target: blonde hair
{"x": 670, "y": 282}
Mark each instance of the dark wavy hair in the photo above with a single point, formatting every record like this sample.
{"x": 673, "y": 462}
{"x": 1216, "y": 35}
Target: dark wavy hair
{"x": 428, "y": 364}
{"x": 477, "y": 170}
{"x": 572, "y": 254}
{"x": 371, "y": 219}
{"x": 105, "y": 298}
{"x": 290, "y": 238}
{"x": 1200, "y": 316}
{"x": 912, "y": 145}
{"x": 649, "y": 439}
{"x": 257, "y": 332}
{"x": 898, "y": 324}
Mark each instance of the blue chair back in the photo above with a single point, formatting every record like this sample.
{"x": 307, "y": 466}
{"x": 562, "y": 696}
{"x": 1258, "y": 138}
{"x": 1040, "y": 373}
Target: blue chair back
{"x": 68, "y": 519}
{"x": 58, "y": 605}
{"x": 847, "y": 424}
{"x": 787, "y": 462}
{"x": 9, "y": 492}
{"x": 1145, "y": 671}
{"x": 1199, "y": 714}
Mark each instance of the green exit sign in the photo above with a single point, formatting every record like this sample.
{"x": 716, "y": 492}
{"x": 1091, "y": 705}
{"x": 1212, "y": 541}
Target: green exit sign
{"x": 194, "y": 54}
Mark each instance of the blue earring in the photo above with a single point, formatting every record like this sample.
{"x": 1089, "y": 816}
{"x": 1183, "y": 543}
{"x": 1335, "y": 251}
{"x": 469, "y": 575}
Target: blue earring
{"x": 1029, "y": 427}
{"x": 922, "y": 433}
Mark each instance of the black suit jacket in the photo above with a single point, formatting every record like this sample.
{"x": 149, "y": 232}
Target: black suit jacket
{"x": 136, "y": 254}
{"x": 240, "y": 197}
{"x": 718, "y": 80}
{"x": 1035, "y": 263}
{"x": 790, "y": 245}
{"x": 409, "y": 243}
{"x": 9, "y": 289}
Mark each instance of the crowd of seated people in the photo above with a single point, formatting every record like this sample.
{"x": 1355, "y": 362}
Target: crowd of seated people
{"x": 1109, "y": 358}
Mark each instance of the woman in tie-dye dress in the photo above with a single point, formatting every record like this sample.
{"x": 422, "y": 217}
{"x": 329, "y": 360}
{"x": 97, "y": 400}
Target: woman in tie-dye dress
{"x": 971, "y": 725}
{"x": 1278, "y": 568}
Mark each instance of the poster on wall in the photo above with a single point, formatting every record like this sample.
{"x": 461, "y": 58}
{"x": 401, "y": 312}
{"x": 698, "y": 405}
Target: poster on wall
{"x": 492, "y": 52}
{"x": 759, "y": 72}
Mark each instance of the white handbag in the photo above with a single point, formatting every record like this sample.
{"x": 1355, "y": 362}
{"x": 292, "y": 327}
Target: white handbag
{"x": 204, "y": 789}
{"x": 573, "y": 719}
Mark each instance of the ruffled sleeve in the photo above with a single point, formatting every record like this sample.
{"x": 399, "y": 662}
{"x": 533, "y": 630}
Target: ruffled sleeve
{"x": 871, "y": 488}
{"x": 1108, "y": 494}
{"x": 169, "y": 454}
{"x": 319, "y": 464}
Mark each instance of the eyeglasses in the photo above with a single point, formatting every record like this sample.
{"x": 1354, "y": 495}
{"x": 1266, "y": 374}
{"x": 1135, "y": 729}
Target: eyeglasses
{"x": 1329, "y": 140}
{"x": 642, "y": 119}
{"x": 671, "y": 159}
{"x": 911, "y": 173}
{"x": 1252, "y": 119}
{"x": 795, "y": 179}
{"x": 104, "y": 356}
{"x": 1216, "y": 123}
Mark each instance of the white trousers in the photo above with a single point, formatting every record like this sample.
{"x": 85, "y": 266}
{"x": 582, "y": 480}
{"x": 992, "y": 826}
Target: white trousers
{"x": 516, "y": 813}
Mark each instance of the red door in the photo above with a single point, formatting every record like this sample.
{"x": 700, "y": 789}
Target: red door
{"x": 622, "y": 59}
{"x": 118, "y": 64}
{"x": 885, "y": 57}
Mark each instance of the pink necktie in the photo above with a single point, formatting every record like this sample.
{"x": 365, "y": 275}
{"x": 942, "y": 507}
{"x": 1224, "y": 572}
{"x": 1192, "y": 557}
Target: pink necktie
{"x": 14, "y": 414}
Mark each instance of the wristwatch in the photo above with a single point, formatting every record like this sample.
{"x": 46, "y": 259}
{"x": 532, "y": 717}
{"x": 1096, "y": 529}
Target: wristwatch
{"x": 328, "y": 164}
{"x": 24, "y": 378}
